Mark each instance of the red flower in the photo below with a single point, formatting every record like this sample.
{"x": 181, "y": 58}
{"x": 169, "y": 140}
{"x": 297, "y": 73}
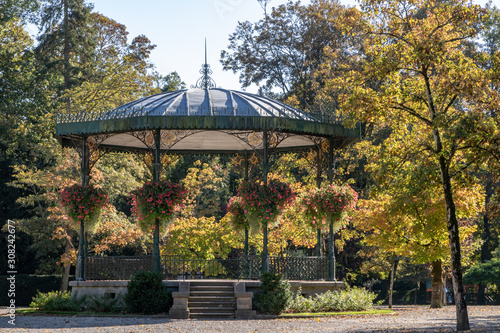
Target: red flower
{"x": 264, "y": 203}
{"x": 83, "y": 203}
{"x": 149, "y": 203}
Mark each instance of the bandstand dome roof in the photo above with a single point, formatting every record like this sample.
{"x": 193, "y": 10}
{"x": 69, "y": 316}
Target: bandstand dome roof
{"x": 209, "y": 120}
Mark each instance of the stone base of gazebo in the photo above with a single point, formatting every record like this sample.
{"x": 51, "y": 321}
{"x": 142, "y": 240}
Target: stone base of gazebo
{"x": 243, "y": 292}
{"x": 118, "y": 288}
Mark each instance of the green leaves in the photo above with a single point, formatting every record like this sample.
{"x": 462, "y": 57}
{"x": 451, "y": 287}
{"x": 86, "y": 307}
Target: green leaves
{"x": 284, "y": 48}
{"x": 484, "y": 273}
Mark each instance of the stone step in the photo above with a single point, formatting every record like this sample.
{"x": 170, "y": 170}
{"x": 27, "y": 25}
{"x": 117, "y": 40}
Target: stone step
{"x": 225, "y": 288}
{"x": 229, "y": 315}
{"x": 214, "y": 303}
{"x": 211, "y": 299}
{"x": 211, "y": 283}
{"x": 224, "y": 291}
{"x": 211, "y": 309}
{"x": 211, "y": 293}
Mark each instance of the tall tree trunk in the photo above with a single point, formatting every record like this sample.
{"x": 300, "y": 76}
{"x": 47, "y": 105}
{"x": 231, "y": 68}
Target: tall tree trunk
{"x": 445, "y": 301}
{"x": 67, "y": 266}
{"x": 454, "y": 240}
{"x": 437, "y": 285}
{"x": 66, "y": 54}
{"x": 416, "y": 292}
{"x": 66, "y": 269}
{"x": 394, "y": 266}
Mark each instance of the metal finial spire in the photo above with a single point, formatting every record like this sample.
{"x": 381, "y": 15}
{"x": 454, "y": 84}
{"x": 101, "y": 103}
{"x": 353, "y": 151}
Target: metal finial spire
{"x": 205, "y": 81}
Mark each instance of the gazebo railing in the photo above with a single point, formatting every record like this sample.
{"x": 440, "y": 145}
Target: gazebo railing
{"x": 178, "y": 267}
{"x": 235, "y": 269}
{"x": 300, "y": 268}
{"x": 312, "y": 116}
{"x": 116, "y": 267}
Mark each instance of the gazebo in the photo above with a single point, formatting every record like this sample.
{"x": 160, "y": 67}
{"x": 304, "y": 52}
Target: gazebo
{"x": 204, "y": 119}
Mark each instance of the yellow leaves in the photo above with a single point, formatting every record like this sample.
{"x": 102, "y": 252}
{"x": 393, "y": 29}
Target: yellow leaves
{"x": 413, "y": 55}
{"x": 115, "y": 231}
{"x": 68, "y": 259}
{"x": 202, "y": 185}
{"x": 202, "y": 238}
{"x": 408, "y": 217}
{"x": 15, "y": 40}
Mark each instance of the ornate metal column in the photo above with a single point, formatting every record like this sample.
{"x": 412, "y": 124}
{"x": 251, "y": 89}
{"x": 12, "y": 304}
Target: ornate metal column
{"x": 156, "y": 236}
{"x": 246, "y": 228}
{"x": 265, "y": 168}
{"x": 331, "y": 247}
{"x": 318, "y": 185}
{"x": 85, "y": 177}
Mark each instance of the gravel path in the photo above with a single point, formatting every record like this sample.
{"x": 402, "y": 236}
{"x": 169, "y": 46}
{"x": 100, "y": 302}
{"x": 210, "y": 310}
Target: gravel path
{"x": 405, "y": 319}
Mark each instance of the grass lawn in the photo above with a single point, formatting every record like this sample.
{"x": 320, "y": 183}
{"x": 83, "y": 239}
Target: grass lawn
{"x": 35, "y": 311}
{"x": 346, "y": 313}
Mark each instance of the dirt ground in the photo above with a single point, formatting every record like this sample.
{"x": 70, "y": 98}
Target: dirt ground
{"x": 405, "y": 319}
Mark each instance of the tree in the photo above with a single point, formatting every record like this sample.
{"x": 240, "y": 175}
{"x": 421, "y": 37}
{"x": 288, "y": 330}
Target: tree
{"x": 489, "y": 228}
{"x": 65, "y": 42}
{"x": 24, "y": 121}
{"x": 487, "y": 273}
{"x": 201, "y": 238}
{"x": 170, "y": 82}
{"x": 406, "y": 218}
{"x": 427, "y": 84}
{"x": 116, "y": 72}
{"x": 116, "y": 235}
{"x": 206, "y": 190}
{"x": 16, "y": 9}
{"x": 24, "y": 117}
{"x": 283, "y": 49}
{"x": 47, "y": 224}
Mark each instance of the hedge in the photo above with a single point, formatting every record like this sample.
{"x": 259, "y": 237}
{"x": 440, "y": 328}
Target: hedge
{"x": 26, "y": 287}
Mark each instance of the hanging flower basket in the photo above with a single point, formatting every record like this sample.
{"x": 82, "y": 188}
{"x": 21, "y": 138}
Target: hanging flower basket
{"x": 237, "y": 214}
{"x": 83, "y": 204}
{"x": 157, "y": 200}
{"x": 329, "y": 204}
{"x": 263, "y": 204}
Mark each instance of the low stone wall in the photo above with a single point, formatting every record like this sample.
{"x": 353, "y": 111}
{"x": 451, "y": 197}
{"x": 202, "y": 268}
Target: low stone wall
{"x": 112, "y": 289}
{"x": 244, "y": 290}
{"x": 115, "y": 289}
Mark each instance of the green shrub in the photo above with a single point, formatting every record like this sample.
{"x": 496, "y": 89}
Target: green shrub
{"x": 100, "y": 304}
{"x": 147, "y": 294}
{"x": 56, "y": 301}
{"x": 355, "y": 299}
{"x": 487, "y": 273}
{"x": 30, "y": 286}
{"x": 62, "y": 301}
{"x": 274, "y": 296}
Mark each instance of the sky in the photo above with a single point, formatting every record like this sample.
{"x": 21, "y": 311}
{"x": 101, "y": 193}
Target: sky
{"x": 179, "y": 28}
